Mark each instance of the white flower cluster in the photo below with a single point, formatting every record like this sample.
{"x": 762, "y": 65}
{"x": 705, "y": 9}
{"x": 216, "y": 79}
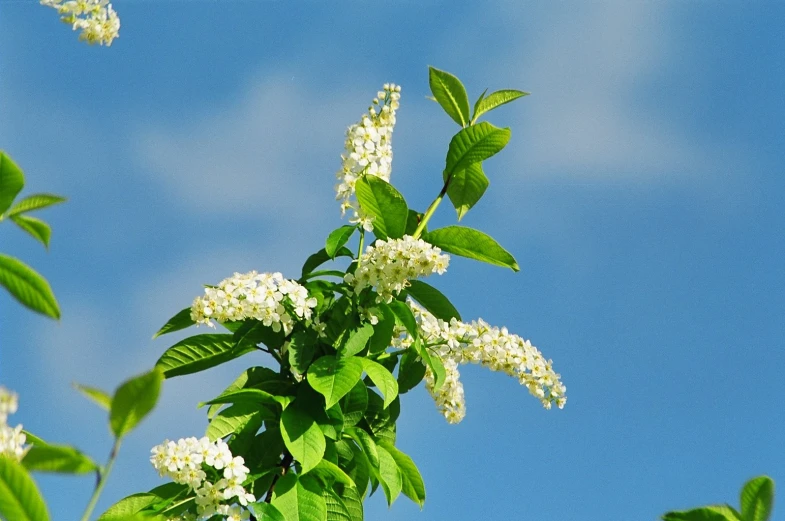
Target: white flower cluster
{"x": 368, "y": 150}
{"x": 12, "y": 439}
{"x": 96, "y": 19}
{"x": 267, "y": 297}
{"x": 388, "y": 265}
{"x": 478, "y": 342}
{"x": 184, "y": 462}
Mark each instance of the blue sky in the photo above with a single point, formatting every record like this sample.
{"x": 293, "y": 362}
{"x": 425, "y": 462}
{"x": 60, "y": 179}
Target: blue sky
{"x": 642, "y": 194}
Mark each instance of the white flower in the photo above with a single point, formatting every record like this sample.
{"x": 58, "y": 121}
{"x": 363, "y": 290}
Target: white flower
{"x": 267, "y": 297}
{"x": 97, "y": 20}
{"x": 368, "y": 150}
{"x": 9, "y": 403}
{"x": 12, "y": 441}
{"x": 457, "y": 343}
{"x": 387, "y": 266}
{"x": 236, "y": 469}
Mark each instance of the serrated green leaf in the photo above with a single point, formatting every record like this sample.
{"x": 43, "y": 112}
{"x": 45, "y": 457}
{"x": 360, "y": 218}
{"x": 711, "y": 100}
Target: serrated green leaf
{"x": 413, "y": 486}
{"x": 710, "y": 513}
{"x": 334, "y": 377}
{"x": 474, "y": 144}
{"x": 180, "y": 321}
{"x": 135, "y": 503}
{"x": 471, "y": 243}
{"x": 320, "y": 257}
{"x": 27, "y": 286}
{"x": 383, "y": 379}
{"x": 477, "y": 104}
{"x": 299, "y": 498}
{"x": 405, "y": 317}
{"x": 451, "y": 95}
{"x": 336, "y": 508}
{"x": 495, "y": 99}
{"x": 101, "y": 398}
{"x": 389, "y": 475}
{"x": 466, "y": 188}
{"x": 302, "y": 347}
{"x": 334, "y": 472}
{"x": 12, "y": 180}
{"x": 302, "y": 436}
{"x": 354, "y": 404}
{"x": 265, "y": 512}
{"x": 236, "y": 418}
{"x": 200, "y": 352}
{"x": 252, "y": 376}
{"x": 356, "y": 340}
{"x": 134, "y": 400}
{"x": 34, "y": 202}
{"x": 36, "y": 228}
{"x": 20, "y": 499}
{"x": 432, "y": 300}
{"x": 58, "y": 458}
{"x": 337, "y": 239}
{"x": 411, "y": 372}
{"x": 381, "y": 419}
{"x": 366, "y": 443}
{"x": 757, "y": 499}
{"x": 352, "y": 498}
{"x": 380, "y": 200}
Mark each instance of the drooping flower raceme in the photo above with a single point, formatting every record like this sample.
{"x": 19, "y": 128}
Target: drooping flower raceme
{"x": 97, "y": 20}
{"x": 188, "y": 461}
{"x": 267, "y": 297}
{"x": 387, "y": 266}
{"x": 368, "y": 150}
{"x": 12, "y": 439}
{"x": 478, "y": 342}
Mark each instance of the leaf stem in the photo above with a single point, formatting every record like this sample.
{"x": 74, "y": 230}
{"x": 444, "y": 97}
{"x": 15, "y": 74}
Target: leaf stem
{"x": 102, "y": 480}
{"x": 432, "y": 208}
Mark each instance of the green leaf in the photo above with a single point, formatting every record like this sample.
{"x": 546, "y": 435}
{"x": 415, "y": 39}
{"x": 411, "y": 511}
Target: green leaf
{"x": 495, "y": 99}
{"x": 412, "y": 483}
{"x": 20, "y": 499}
{"x": 336, "y": 508}
{"x": 334, "y": 472}
{"x": 383, "y": 379}
{"x": 253, "y": 332}
{"x": 352, "y": 498}
{"x": 135, "y": 503}
{"x": 34, "y": 202}
{"x": 432, "y": 300}
{"x": 466, "y": 188}
{"x": 98, "y": 396}
{"x": 58, "y": 458}
{"x": 471, "y": 243}
{"x": 389, "y": 474}
{"x": 37, "y": 228}
{"x": 235, "y": 418}
{"x": 180, "y": 321}
{"x": 265, "y": 512}
{"x": 434, "y": 363}
{"x": 474, "y": 144}
{"x": 134, "y": 400}
{"x": 710, "y": 513}
{"x": 380, "y": 200}
{"x": 356, "y": 340}
{"x": 757, "y": 499}
{"x": 405, "y": 317}
{"x": 253, "y": 396}
{"x": 334, "y": 377}
{"x": 380, "y": 419}
{"x": 354, "y": 404}
{"x": 200, "y": 352}
{"x": 302, "y": 347}
{"x": 12, "y": 180}
{"x": 27, "y": 286}
{"x": 477, "y": 104}
{"x": 253, "y": 376}
{"x": 451, "y": 95}
{"x": 413, "y": 221}
{"x": 383, "y": 331}
{"x": 366, "y": 443}
{"x": 302, "y": 436}
{"x": 411, "y": 372}
{"x": 320, "y": 257}
{"x": 337, "y": 239}
{"x": 299, "y": 499}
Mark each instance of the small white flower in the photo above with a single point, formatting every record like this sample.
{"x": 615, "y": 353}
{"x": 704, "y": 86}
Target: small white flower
{"x": 97, "y": 20}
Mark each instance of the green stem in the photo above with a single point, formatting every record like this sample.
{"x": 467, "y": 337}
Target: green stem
{"x": 360, "y": 247}
{"x": 102, "y": 481}
{"x": 432, "y": 208}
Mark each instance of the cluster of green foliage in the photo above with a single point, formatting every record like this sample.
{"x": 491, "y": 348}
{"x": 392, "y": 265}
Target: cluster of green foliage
{"x": 757, "y": 500}
{"x": 24, "y": 283}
